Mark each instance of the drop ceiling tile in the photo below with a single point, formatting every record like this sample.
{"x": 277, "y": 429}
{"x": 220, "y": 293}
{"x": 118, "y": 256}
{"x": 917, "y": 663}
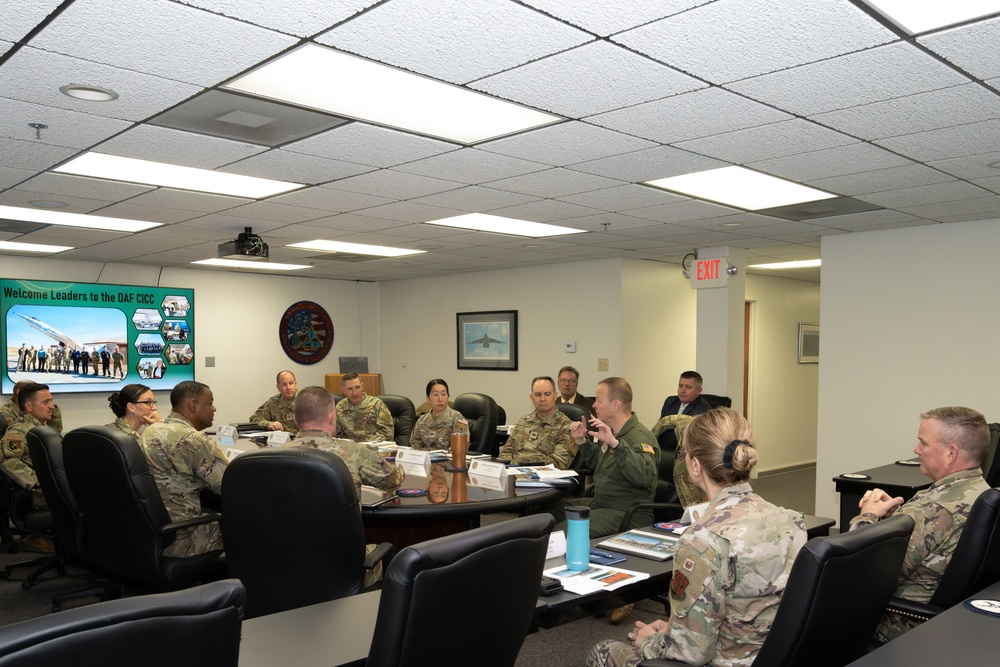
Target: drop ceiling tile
{"x": 984, "y": 207}
{"x": 71, "y": 236}
{"x": 329, "y": 200}
{"x": 426, "y": 36}
{"x": 587, "y": 80}
{"x": 268, "y": 211}
{"x": 10, "y": 176}
{"x": 545, "y": 210}
{"x": 866, "y": 219}
{"x": 689, "y": 116}
{"x": 230, "y": 225}
{"x": 756, "y": 36}
{"x": 394, "y": 184}
{"x": 958, "y": 105}
{"x": 606, "y": 17}
{"x": 30, "y": 154}
{"x": 870, "y": 76}
{"x": 35, "y": 76}
{"x": 295, "y": 167}
{"x": 972, "y": 166}
{"x": 926, "y": 194}
{"x": 554, "y": 183}
{"x": 162, "y": 144}
{"x": 188, "y": 201}
{"x": 183, "y": 236}
{"x": 622, "y": 198}
{"x": 294, "y": 17}
{"x": 948, "y": 142}
{"x": 5, "y": 46}
{"x": 65, "y": 185}
{"x": 475, "y": 199}
{"x": 767, "y": 141}
{"x": 21, "y": 18}
{"x": 199, "y": 47}
{"x": 971, "y": 47}
{"x": 344, "y": 223}
{"x": 830, "y": 162}
{"x": 781, "y": 229}
{"x": 617, "y": 223}
{"x": 992, "y": 184}
{"x": 878, "y": 180}
{"x": 23, "y": 198}
{"x": 65, "y": 128}
{"x": 566, "y": 143}
{"x": 361, "y": 143}
{"x": 472, "y": 166}
{"x": 682, "y": 211}
{"x": 648, "y": 164}
{"x": 131, "y": 211}
{"x": 407, "y": 211}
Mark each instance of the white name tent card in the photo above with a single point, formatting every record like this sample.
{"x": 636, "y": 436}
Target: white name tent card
{"x": 415, "y": 461}
{"x": 557, "y": 544}
{"x": 488, "y": 469}
{"x": 278, "y": 439}
{"x": 227, "y": 435}
{"x": 492, "y": 483}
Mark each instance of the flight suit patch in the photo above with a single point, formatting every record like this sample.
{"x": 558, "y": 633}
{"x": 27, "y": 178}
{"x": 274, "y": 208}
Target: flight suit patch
{"x": 647, "y": 448}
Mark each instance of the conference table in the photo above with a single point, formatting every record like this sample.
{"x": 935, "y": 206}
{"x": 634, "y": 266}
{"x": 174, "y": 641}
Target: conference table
{"x": 896, "y": 479}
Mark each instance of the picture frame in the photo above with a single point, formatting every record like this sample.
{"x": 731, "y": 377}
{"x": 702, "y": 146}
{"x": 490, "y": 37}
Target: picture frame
{"x": 487, "y": 340}
{"x": 808, "y": 352}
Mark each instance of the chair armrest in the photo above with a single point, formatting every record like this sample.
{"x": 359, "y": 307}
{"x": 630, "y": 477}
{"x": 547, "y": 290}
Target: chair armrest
{"x": 918, "y": 611}
{"x": 188, "y": 523}
{"x": 627, "y": 519}
{"x": 383, "y": 553}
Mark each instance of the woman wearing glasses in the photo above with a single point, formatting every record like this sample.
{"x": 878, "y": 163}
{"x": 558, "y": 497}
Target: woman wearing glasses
{"x": 135, "y": 409}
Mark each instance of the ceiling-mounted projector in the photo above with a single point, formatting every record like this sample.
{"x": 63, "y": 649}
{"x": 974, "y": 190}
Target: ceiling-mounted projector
{"x": 246, "y": 246}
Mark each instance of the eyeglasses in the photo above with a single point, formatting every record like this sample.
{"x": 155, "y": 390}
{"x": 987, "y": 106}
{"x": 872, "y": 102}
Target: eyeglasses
{"x": 149, "y": 403}
{"x": 567, "y": 381}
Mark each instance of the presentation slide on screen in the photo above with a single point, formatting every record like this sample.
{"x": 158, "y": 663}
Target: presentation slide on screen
{"x": 80, "y": 337}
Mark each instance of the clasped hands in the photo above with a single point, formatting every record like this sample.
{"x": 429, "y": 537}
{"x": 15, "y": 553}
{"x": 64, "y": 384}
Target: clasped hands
{"x": 580, "y": 430}
{"x": 643, "y": 630}
{"x": 879, "y": 503}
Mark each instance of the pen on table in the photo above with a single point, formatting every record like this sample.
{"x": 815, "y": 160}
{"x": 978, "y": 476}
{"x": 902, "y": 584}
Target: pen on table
{"x": 602, "y": 554}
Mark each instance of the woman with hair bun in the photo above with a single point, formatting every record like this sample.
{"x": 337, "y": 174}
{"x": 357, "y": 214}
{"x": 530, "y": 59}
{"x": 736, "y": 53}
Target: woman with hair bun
{"x": 730, "y": 566}
{"x": 135, "y": 408}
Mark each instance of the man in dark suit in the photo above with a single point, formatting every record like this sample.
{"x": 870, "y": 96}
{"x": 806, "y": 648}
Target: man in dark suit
{"x": 569, "y": 378}
{"x": 688, "y": 400}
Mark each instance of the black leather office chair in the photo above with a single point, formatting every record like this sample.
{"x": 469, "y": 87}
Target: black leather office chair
{"x": 665, "y": 504}
{"x": 991, "y": 462}
{"x": 717, "y": 401}
{"x": 16, "y": 509}
{"x": 573, "y": 411}
{"x": 309, "y": 494}
{"x": 199, "y": 627}
{"x": 481, "y": 412}
{"x": 501, "y": 416}
{"x": 127, "y": 525}
{"x": 815, "y": 624}
{"x": 45, "y": 446}
{"x": 974, "y": 565}
{"x": 432, "y": 583}
{"x": 404, "y": 415}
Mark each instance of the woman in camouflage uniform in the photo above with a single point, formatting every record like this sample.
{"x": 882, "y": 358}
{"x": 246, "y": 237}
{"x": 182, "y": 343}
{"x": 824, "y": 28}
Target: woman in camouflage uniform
{"x": 433, "y": 430}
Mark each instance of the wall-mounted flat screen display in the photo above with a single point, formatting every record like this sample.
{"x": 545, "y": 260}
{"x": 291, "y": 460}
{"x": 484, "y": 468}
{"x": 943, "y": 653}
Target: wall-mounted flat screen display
{"x": 81, "y": 337}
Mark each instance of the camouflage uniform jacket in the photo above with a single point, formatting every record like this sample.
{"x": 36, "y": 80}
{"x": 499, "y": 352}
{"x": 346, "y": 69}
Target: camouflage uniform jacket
{"x": 12, "y": 414}
{"x": 939, "y": 513}
{"x": 730, "y": 570}
{"x": 435, "y": 432}
{"x": 535, "y": 440}
{"x": 276, "y": 409}
{"x": 366, "y": 465}
{"x": 627, "y": 473}
{"x": 184, "y": 461}
{"x": 125, "y": 427}
{"x": 15, "y": 459}
{"x": 367, "y": 421}
{"x": 687, "y": 492}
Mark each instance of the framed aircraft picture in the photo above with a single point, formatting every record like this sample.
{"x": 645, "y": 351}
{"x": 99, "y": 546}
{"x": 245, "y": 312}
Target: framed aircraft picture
{"x": 487, "y": 340}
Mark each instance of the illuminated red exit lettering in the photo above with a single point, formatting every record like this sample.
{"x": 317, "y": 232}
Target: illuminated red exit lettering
{"x": 708, "y": 269}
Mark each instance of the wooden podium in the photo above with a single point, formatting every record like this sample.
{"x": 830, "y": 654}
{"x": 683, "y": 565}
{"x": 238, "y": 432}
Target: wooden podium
{"x": 371, "y": 381}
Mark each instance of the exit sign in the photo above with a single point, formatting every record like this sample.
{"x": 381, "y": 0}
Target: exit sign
{"x": 709, "y": 272}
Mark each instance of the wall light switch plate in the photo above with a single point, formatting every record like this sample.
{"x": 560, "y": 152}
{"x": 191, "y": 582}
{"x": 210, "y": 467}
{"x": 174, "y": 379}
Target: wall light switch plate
{"x": 569, "y": 346}
{"x": 602, "y": 364}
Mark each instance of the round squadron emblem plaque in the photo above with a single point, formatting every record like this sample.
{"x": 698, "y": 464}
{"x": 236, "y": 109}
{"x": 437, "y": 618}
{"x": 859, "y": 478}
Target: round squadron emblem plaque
{"x": 306, "y": 332}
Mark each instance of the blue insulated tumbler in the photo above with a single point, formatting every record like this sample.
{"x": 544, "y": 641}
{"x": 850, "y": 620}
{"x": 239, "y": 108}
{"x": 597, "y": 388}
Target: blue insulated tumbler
{"x": 578, "y": 537}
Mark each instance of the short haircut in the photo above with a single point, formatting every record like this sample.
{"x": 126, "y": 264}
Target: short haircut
{"x": 709, "y": 434}
{"x": 21, "y": 385}
{"x": 692, "y": 375}
{"x": 348, "y": 377}
{"x": 130, "y": 393}
{"x": 313, "y": 404}
{"x": 545, "y": 378}
{"x": 572, "y": 370}
{"x": 965, "y": 427}
{"x": 277, "y": 378}
{"x": 619, "y": 390}
{"x": 185, "y": 391}
{"x": 430, "y": 385}
{"x": 28, "y": 392}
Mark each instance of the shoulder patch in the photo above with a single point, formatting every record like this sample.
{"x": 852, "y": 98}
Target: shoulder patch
{"x": 678, "y": 586}
{"x": 647, "y": 448}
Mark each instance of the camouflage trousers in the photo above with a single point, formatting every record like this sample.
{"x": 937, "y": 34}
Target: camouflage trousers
{"x": 610, "y": 653}
{"x": 198, "y": 540}
{"x": 892, "y": 626}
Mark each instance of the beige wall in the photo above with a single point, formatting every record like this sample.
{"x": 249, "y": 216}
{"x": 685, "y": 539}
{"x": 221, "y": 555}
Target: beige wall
{"x": 910, "y": 322}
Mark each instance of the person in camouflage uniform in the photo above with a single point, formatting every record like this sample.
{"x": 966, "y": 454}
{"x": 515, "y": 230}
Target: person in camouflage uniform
{"x": 434, "y": 428}
{"x": 951, "y": 444}
{"x": 687, "y": 492}
{"x": 35, "y": 407}
{"x": 730, "y": 567}
{"x": 12, "y": 412}
{"x": 624, "y": 458}
{"x": 134, "y": 408}
{"x": 542, "y": 436}
{"x": 316, "y": 415}
{"x": 117, "y": 357}
{"x": 276, "y": 413}
{"x": 184, "y": 461}
{"x": 362, "y": 418}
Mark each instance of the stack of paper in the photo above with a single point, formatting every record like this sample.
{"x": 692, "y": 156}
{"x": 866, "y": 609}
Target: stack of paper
{"x": 594, "y": 578}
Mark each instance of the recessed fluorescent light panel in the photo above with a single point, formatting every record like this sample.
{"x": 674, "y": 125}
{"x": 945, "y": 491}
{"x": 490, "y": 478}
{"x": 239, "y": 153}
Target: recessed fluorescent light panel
{"x": 354, "y": 248}
{"x": 132, "y": 170}
{"x": 320, "y": 78}
{"x": 101, "y": 222}
{"x": 14, "y": 246}
{"x": 482, "y": 222}
{"x": 741, "y": 188}
{"x": 916, "y": 17}
{"x": 243, "y": 264}
{"x": 799, "y": 264}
